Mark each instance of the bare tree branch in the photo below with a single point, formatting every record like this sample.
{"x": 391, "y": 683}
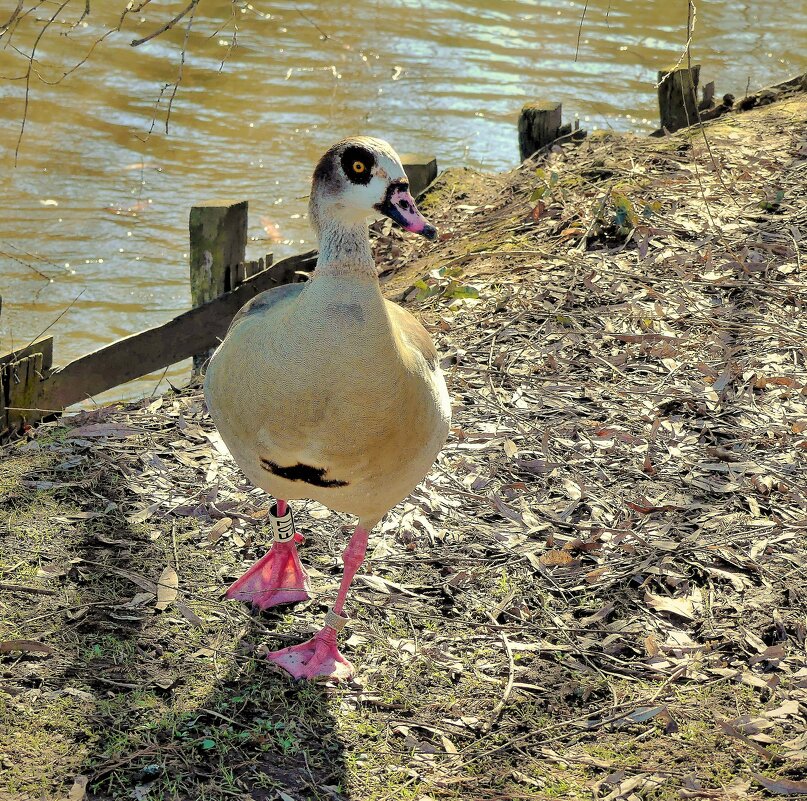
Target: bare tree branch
{"x": 580, "y": 29}
{"x": 691, "y": 17}
{"x": 325, "y": 36}
{"x": 79, "y": 63}
{"x": 174, "y": 86}
{"x": 14, "y": 14}
{"x": 168, "y": 25}
{"x": 179, "y": 74}
{"x": 28, "y": 76}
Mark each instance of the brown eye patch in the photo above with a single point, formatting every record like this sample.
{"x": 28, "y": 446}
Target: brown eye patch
{"x": 358, "y": 164}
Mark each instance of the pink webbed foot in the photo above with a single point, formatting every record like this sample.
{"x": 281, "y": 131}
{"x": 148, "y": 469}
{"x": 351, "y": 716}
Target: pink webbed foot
{"x": 277, "y": 578}
{"x": 317, "y": 657}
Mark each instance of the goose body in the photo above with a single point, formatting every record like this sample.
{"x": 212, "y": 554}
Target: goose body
{"x": 326, "y": 390}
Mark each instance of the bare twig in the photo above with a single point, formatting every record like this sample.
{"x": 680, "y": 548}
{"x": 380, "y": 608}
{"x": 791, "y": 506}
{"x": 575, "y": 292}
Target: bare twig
{"x": 28, "y": 76}
{"x": 14, "y": 14}
{"x": 178, "y": 81}
{"x": 85, "y": 13}
{"x": 168, "y": 25}
{"x": 499, "y": 708}
{"x": 25, "y": 264}
{"x": 686, "y": 50}
{"x": 59, "y": 317}
{"x": 580, "y": 30}
{"x": 324, "y": 34}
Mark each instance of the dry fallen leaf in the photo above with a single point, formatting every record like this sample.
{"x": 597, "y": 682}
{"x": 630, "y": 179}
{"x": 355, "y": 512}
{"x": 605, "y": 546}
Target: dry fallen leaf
{"x": 781, "y": 786}
{"x": 167, "y": 588}
{"x": 26, "y": 646}
{"x": 221, "y": 526}
{"x": 556, "y": 558}
{"x": 676, "y": 606}
{"x": 78, "y": 792}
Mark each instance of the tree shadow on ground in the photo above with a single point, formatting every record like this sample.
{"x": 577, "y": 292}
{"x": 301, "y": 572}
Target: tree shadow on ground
{"x": 126, "y": 699}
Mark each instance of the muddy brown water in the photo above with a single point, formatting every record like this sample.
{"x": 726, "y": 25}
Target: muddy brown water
{"x": 93, "y": 215}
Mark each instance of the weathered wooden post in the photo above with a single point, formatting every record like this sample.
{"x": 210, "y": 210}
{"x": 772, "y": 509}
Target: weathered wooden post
{"x": 420, "y": 170}
{"x": 678, "y": 97}
{"x": 21, "y": 375}
{"x": 538, "y": 126}
{"x": 218, "y": 241}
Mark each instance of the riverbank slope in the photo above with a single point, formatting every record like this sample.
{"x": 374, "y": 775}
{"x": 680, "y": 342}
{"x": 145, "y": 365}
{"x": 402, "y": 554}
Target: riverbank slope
{"x": 599, "y": 591}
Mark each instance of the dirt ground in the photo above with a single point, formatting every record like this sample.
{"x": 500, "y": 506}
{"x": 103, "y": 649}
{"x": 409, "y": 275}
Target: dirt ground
{"x": 599, "y": 591}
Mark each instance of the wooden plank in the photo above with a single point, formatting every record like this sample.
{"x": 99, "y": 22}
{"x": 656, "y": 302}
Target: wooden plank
{"x": 237, "y": 274}
{"x": 189, "y": 333}
{"x": 243, "y": 270}
{"x": 707, "y": 100}
{"x": 253, "y": 268}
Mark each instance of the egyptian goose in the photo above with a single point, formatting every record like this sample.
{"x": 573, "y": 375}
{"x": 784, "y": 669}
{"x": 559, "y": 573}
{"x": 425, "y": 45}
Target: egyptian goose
{"x": 326, "y": 390}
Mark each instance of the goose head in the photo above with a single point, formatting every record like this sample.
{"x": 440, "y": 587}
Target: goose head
{"x": 361, "y": 176}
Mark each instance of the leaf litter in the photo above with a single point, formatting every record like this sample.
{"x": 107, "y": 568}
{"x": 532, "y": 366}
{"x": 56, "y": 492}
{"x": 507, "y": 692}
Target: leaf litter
{"x": 599, "y": 589}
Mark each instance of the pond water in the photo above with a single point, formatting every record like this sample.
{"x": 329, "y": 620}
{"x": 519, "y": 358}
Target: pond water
{"x": 95, "y": 194}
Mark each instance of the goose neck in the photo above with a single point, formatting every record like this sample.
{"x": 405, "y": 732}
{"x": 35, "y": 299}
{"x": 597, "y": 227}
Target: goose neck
{"x": 344, "y": 249}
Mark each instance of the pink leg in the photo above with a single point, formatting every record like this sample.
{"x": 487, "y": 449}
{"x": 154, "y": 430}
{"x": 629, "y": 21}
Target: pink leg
{"x": 320, "y": 656}
{"x": 277, "y": 578}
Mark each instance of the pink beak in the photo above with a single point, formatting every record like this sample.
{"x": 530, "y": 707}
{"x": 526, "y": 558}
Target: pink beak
{"x": 400, "y": 206}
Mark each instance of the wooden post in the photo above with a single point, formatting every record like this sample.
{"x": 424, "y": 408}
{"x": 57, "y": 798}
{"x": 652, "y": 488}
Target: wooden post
{"x": 420, "y": 170}
{"x": 21, "y": 376}
{"x": 218, "y": 241}
{"x": 678, "y": 97}
{"x": 538, "y": 126}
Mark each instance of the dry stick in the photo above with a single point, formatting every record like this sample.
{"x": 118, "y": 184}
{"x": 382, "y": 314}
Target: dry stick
{"x": 34, "y": 256}
{"x": 690, "y": 30}
{"x": 159, "y": 381}
{"x": 85, "y": 13}
{"x": 685, "y": 53}
{"x": 499, "y": 708}
{"x": 580, "y": 30}
{"x": 179, "y": 74}
{"x": 81, "y": 62}
{"x": 691, "y": 14}
{"x": 24, "y": 588}
{"x": 14, "y": 14}
{"x": 233, "y": 44}
{"x": 174, "y": 543}
{"x": 25, "y": 264}
{"x": 95, "y": 44}
{"x": 166, "y": 86}
{"x": 168, "y": 25}
{"x": 53, "y": 322}
{"x": 28, "y": 77}
{"x": 308, "y": 19}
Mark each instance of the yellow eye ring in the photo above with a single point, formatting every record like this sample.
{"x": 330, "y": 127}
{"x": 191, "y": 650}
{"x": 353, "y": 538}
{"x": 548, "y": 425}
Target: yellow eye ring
{"x": 359, "y": 166}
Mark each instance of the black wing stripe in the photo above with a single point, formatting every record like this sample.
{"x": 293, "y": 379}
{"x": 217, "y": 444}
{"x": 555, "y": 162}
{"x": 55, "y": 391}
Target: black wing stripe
{"x": 315, "y": 476}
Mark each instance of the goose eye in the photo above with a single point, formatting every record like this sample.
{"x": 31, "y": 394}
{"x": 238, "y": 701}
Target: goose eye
{"x": 357, "y": 164}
